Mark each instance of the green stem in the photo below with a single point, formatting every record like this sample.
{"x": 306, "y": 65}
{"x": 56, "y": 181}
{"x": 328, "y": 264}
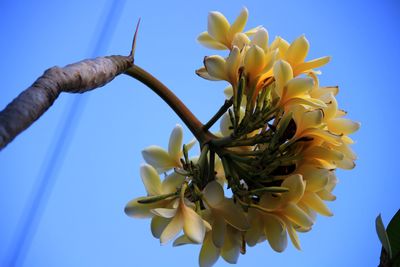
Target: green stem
{"x": 219, "y": 114}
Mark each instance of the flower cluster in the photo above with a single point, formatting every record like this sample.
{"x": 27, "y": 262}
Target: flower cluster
{"x": 282, "y": 136}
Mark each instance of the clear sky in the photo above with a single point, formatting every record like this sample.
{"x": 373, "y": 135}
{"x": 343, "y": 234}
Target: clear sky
{"x": 90, "y": 165}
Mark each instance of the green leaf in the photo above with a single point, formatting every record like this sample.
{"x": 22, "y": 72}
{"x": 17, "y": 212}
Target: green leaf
{"x": 383, "y": 237}
{"x": 393, "y": 232}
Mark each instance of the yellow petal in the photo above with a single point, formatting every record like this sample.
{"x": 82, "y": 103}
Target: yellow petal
{"x": 269, "y": 62}
{"x": 332, "y": 106}
{"x": 298, "y": 87}
{"x": 158, "y": 158}
{"x": 213, "y": 193}
{"x": 298, "y": 50}
{"x": 316, "y": 179}
{"x": 240, "y": 40}
{"x": 182, "y": 240}
{"x": 296, "y": 187}
{"x": 218, "y": 230}
{"x": 320, "y": 91}
{"x": 218, "y": 26}
{"x": 282, "y": 45}
{"x": 252, "y": 31}
{"x": 271, "y": 201}
{"x": 209, "y": 254}
{"x": 282, "y": 73}
{"x": 205, "y": 39}
{"x": 175, "y": 143}
{"x": 233, "y": 214}
{"x": 139, "y": 210}
{"x": 346, "y": 164}
{"x": 230, "y": 250}
{"x": 254, "y": 61}
{"x": 253, "y": 235}
{"x": 326, "y": 195}
{"x": 293, "y": 235}
{"x": 297, "y": 215}
{"x": 232, "y": 64}
{"x": 305, "y": 101}
{"x": 240, "y": 22}
{"x": 151, "y": 180}
{"x": 310, "y": 119}
{"x": 216, "y": 67}
{"x": 172, "y": 229}
{"x": 275, "y": 230}
{"x": 309, "y": 65}
{"x": 158, "y": 224}
{"x": 314, "y": 201}
{"x": 171, "y": 183}
{"x": 164, "y": 212}
{"x": 343, "y": 126}
{"x": 193, "y": 225}
{"x": 261, "y": 39}
{"x": 323, "y": 135}
{"x": 202, "y": 72}
{"x": 324, "y": 153}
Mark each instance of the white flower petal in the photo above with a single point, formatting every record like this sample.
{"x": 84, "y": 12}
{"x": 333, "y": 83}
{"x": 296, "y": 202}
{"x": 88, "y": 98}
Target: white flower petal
{"x": 205, "y": 39}
{"x": 151, "y": 180}
{"x": 158, "y": 224}
{"x": 193, "y": 225}
{"x": 172, "y": 229}
{"x": 343, "y": 126}
{"x": 209, "y": 253}
{"x": 159, "y": 158}
{"x": 139, "y": 210}
{"x": 164, "y": 212}
{"x": 218, "y": 231}
{"x": 230, "y": 250}
{"x": 298, "y": 216}
{"x": 218, "y": 26}
{"x": 233, "y": 214}
{"x": 175, "y": 143}
{"x": 275, "y": 230}
{"x": 202, "y": 72}
{"x": 216, "y": 67}
{"x": 240, "y": 22}
{"x": 182, "y": 240}
{"x": 314, "y": 201}
{"x": 296, "y": 187}
{"x": 214, "y": 193}
{"x": 261, "y": 39}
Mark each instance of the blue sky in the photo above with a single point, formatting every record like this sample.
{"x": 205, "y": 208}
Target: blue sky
{"x": 91, "y": 164}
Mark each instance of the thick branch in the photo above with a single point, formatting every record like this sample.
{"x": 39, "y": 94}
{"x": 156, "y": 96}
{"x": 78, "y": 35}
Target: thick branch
{"x": 79, "y": 77}
{"x": 194, "y": 125}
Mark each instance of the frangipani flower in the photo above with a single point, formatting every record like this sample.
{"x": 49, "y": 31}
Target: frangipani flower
{"x": 163, "y": 160}
{"x": 181, "y": 217}
{"x": 220, "y": 33}
{"x": 296, "y": 54}
{"x": 154, "y": 187}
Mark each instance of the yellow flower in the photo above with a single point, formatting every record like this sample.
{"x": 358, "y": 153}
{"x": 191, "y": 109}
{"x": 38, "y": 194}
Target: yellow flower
{"x": 163, "y": 160}
{"x": 296, "y": 54}
{"x": 220, "y": 33}
{"x": 154, "y": 187}
{"x": 182, "y": 216}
